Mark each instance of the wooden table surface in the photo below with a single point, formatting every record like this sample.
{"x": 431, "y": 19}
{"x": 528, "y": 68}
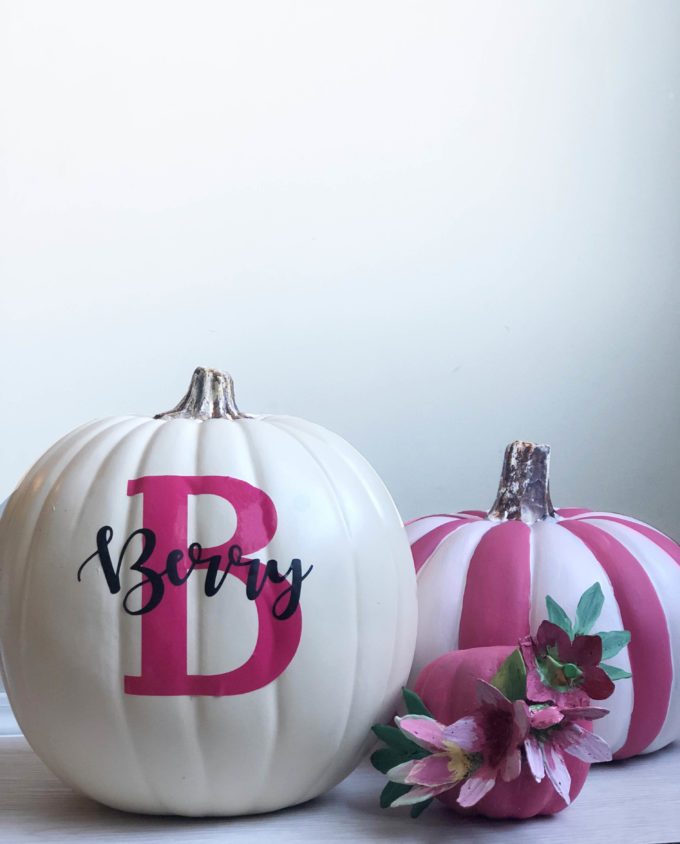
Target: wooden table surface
{"x": 633, "y": 802}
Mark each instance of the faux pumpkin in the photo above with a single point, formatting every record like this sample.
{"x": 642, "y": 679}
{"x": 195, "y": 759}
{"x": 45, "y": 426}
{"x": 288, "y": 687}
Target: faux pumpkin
{"x": 447, "y": 687}
{"x": 240, "y": 675}
{"x": 483, "y": 580}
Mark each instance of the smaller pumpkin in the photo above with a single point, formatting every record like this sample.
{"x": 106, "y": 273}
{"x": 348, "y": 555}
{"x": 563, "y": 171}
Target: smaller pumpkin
{"x": 448, "y": 688}
{"x": 504, "y": 732}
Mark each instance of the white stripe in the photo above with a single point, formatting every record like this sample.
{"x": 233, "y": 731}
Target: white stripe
{"x": 416, "y": 530}
{"x": 564, "y": 568}
{"x": 664, "y": 574}
{"x": 602, "y": 513}
{"x": 594, "y": 514}
{"x": 441, "y": 586}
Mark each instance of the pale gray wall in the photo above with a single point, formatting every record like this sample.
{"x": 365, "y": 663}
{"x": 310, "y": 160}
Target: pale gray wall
{"x": 432, "y": 227}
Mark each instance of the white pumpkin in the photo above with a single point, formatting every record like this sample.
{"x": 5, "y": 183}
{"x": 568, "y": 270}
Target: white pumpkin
{"x": 203, "y": 692}
{"x": 483, "y": 579}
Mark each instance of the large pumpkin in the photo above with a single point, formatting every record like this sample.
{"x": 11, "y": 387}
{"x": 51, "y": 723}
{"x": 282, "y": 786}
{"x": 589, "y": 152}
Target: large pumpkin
{"x": 483, "y": 579}
{"x": 448, "y": 688}
{"x": 239, "y": 676}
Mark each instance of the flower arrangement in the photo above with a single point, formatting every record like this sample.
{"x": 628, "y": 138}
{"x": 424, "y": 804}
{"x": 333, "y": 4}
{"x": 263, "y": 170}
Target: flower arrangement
{"x": 535, "y": 709}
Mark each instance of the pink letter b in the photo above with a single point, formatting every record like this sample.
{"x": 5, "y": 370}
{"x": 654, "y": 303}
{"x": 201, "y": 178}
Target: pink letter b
{"x": 164, "y": 629}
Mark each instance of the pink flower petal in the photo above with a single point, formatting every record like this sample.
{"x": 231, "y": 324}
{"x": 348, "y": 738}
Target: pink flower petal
{"x": 527, "y": 648}
{"x": 425, "y": 732}
{"x": 557, "y": 771}
{"x": 534, "y": 758}
{"x": 479, "y": 784}
{"x": 574, "y": 697}
{"x": 431, "y": 771}
{"x": 490, "y": 696}
{"x": 511, "y": 767}
{"x": 521, "y": 720}
{"x": 541, "y": 719}
{"x": 583, "y": 744}
{"x": 585, "y": 713}
{"x": 419, "y": 793}
{"x": 467, "y": 733}
{"x": 536, "y": 691}
{"x": 400, "y": 772}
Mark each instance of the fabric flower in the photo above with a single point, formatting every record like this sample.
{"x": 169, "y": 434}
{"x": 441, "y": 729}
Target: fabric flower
{"x": 477, "y": 749}
{"x": 447, "y": 765}
{"x": 562, "y": 670}
{"x": 495, "y": 733}
{"x": 553, "y": 732}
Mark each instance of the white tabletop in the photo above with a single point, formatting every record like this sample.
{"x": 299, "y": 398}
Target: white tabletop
{"x": 633, "y": 802}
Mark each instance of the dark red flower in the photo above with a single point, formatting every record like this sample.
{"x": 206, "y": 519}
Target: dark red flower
{"x": 563, "y": 670}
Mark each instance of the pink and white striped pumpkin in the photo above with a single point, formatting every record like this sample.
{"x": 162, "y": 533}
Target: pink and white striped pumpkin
{"x": 483, "y": 579}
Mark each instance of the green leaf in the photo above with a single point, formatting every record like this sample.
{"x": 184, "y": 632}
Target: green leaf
{"x": 418, "y": 808}
{"x": 558, "y": 616}
{"x": 386, "y": 758}
{"x": 511, "y": 677}
{"x": 588, "y": 609}
{"x": 395, "y": 739}
{"x": 391, "y": 792}
{"x": 613, "y": 641}
{"x": 414, "y": 705}
{"x": 614, "y": 672}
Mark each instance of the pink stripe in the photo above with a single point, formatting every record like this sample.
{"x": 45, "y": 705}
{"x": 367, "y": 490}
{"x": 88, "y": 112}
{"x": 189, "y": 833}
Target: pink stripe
{"x": 660, "y": 539}
{"x": 568, "y": 512}
{"x": 422, "y": 548}
{"x": 481, "y": 514}
{"x": 649, "y": 650}
{"x": 497, "y": 597}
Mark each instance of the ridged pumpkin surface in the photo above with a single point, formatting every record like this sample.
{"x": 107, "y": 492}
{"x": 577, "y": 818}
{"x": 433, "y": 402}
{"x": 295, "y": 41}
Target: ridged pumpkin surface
{"x": 68, "y": 645}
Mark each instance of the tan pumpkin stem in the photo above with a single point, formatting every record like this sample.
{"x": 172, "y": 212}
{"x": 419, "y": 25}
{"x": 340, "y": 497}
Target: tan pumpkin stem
{"x": 210, "y": 396}
{"x": 524, "y": 489}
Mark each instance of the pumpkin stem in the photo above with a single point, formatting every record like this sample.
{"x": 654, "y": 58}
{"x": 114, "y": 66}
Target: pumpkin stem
{"x": 524, "y": 488}
{"x": 210, "y": 396}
